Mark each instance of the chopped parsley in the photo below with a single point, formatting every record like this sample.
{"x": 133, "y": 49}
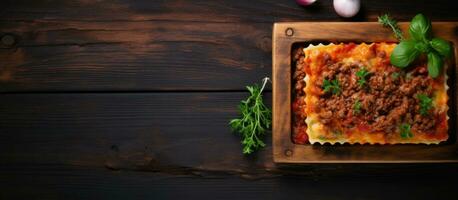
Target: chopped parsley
{"x": 405, "y": 132}
{"x": 357, "y": 107}
{"x": 426, "y": 103}
{"x": 332, "y": 86}
{"x": 362, "y": 74}
{"x": 395, "y": 75}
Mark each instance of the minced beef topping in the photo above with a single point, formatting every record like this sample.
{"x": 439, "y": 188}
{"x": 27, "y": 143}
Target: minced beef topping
{"x": 366, "y": 96}
{"x": 298, "y": 104}
{"x": 387, "y": 98}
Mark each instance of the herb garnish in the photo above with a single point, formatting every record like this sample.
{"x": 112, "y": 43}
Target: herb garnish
{"x": 420, "y": 42}
{"x": 357, "y": 107}
{"x": 256, "y": 119}
{"x": 386, "y": 20}
{"x": 332, "y": 86}
{"x": 395, "y": 75}
{"x": 426, "y": 103}
{"x": 404, "y": 130}
{"x": 361, "y": 74}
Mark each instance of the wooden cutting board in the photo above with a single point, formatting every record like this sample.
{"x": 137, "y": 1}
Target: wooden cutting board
{"x": 285, "y": 35}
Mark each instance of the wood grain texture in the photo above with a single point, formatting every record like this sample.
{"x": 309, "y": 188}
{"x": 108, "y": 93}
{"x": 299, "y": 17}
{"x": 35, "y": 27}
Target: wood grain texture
{"x": 286, "y": 34}
{"x": 75, "y": 146}
{"x": 160, "y": 135}
{"x": 125, "y": 131}
{"x": 63, "y": 182}
{"x": 256, "y": 11}
{"x": 96, "y": 56}
{"x": 142, "y": 45}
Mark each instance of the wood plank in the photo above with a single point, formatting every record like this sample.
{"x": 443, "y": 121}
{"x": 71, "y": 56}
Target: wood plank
{"x": 144, "y": 45}
{"x": 165, "y": 131}
{"x": 94, "y": 56}
{"x": 63, "y": 182}
{"x": 170, "y": 145}
{"x": 175, "y": 133}
{"x": 215, "y": 11}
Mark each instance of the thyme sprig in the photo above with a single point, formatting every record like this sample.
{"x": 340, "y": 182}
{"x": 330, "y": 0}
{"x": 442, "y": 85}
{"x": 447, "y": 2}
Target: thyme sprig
{"x": 388, "y": 21}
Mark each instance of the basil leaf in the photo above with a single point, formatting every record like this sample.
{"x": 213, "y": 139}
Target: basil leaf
{"x": 404, "y": 53}
{"x": 435, "y": 63}
{"x": 422, "y": 47}
{"x": 442, "y": 46}
{"x": 420, "y": 28}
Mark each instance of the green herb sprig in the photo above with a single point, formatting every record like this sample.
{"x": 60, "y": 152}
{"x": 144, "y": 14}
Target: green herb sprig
{"x": 332, "y": 86}
{"x": 357, "y": 107}
{"x": 426, "y": 104}
{"x": 395, "y": 75}
{"x": 362, "y": 74}
{"x": 420, "y": 42}
{"x": 255, "y": 120}
{"x": 388, "y": 21}
{"x": 405, "y": 131}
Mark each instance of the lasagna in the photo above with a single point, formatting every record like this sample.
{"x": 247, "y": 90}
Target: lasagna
{"x": 350, "y": 93}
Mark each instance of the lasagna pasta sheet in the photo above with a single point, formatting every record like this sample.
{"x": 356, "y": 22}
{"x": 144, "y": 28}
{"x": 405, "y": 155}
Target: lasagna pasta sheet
{"x": 381, "y": 106}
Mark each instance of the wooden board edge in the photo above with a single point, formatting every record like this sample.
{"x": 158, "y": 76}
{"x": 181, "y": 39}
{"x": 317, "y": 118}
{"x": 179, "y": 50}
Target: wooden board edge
{"x": 281, "y": 76}
{"x": 280, "y": 145}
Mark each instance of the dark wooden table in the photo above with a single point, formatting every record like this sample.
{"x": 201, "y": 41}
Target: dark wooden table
{"x": 131, "y": 99}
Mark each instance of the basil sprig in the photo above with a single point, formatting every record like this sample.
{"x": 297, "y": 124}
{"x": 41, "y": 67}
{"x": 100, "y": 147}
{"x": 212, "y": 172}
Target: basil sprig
{"x": 421, "y": 41}
{"x": 435, "y": 63}
{"x": 420, "y": 28}
{"x": 441, "y": 46}
{"x": 404, "y": 53}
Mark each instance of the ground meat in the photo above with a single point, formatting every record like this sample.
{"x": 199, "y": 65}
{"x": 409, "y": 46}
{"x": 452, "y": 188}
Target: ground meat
{"x": 423, "y": 122}
{"x": 367, "y": 102}
{"x": 327, "y": 59}
{"x": 388, "y": 122}
{"x": 334, "y": 68}
{"x": 376, "y": 82}
{"x": 299, "y": 135}
{"x": 341, "y": 113}
{"x": 325, "y": 117}
{"x": 407, "y": 89}
{"x": 395, "y": 114}
{"x": 299, "y": 87}
{"x": 382, "y": 124}
{"x": 299, "y": 74}
{"x": 389, "y": 85}
{"x": 386, "y": 100}
{"x": 298, "y": 53}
